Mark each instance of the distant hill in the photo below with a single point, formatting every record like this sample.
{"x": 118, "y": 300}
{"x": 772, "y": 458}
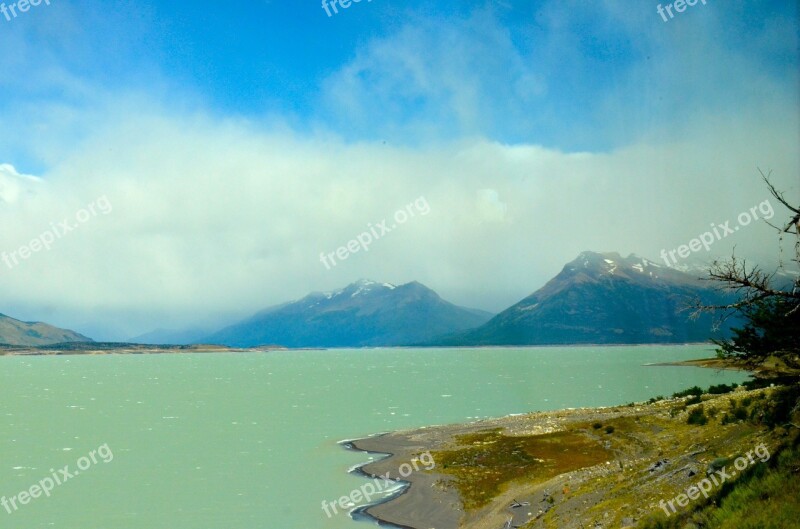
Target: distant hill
{"x": 602, "y": 298}
{"x": 364, "y": 313}
{"x": 15, "y": 332}
{"x": 170, "y": 337}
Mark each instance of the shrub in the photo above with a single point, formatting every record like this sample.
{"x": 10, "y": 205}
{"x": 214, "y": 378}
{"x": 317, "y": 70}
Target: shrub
{"x": 720, "y": 389}
{"x": 759, "y": 383}
{"x": 674, "y": 411}
{"x": 777, "y": 410}
{"x": 597, "y": 425}
{"x": 694, "y": 399}
{"x": 718, "y": 464}
{"x": 697, "y": 416}
{"x": 735, "y": 414}
{"x": 740, "y": 414}
{"x": 609, "y": 429}
{"x": 695, "y": 391}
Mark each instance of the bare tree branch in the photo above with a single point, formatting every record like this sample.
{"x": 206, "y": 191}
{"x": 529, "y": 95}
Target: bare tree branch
{"x": 795, "y": 222}
{"x": 753, "y": 285}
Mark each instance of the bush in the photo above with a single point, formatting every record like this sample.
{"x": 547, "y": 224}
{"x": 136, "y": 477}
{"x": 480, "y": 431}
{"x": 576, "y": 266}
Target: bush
{"x": 759, "y": 383}
{"x": 597, "y": 425}
{"x": 609, "y": 429}
{"x": 693, "y": 391}
{"x": 720, "y": 389}
{"x": 694, "y": 399}
{"x": 771, "y": 411}
{"x": 674, "y": 411}
{"x": 738, "y": 411}
{"x": 697, "y": 416}
{"x": 778, "y": 409}
{"x": 719, "y": 463}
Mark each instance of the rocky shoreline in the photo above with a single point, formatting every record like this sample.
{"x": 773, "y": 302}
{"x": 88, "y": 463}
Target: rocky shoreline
{"x": 652, "y": 455}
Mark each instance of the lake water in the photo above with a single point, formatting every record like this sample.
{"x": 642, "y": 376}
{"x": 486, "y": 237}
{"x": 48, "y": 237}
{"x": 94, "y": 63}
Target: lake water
{"x": 250, "y": 441}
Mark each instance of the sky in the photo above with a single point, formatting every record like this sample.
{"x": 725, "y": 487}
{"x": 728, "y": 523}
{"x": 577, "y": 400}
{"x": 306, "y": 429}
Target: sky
{"x": 176, "y": 164}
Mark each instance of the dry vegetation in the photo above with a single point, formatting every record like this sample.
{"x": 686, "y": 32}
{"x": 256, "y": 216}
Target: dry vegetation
{"x": 613, "y": 469}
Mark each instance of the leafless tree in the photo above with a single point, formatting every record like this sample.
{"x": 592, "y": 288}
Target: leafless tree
{"x": 752, "y": 284}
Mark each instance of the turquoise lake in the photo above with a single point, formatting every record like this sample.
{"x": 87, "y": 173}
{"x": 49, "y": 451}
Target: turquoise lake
{"x": 249, "y": 441}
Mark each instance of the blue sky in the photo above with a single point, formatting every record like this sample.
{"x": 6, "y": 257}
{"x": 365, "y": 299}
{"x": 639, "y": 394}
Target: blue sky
{"x": 567, "y": 75}
{"x": 184, "y": 114}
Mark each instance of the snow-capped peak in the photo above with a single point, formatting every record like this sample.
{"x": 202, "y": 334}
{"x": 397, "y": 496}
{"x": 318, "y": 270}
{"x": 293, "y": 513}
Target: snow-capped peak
{"x": 363, "y": 286}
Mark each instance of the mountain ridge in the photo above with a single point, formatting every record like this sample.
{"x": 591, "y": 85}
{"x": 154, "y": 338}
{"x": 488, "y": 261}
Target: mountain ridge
{"x": 363, "y": 314}
{"x": 602, "y": 298}
{"x": 22, "y": 333}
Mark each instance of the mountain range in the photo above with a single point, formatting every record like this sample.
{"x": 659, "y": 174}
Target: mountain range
{"x": 365, "y": 313}
{"x": 599, "y": 298}
{"x": 16, "y": 332}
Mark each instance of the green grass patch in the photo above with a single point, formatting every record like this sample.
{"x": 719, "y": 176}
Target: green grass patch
{"x": 766, "y": 498}
{"x": 485, "y": 462}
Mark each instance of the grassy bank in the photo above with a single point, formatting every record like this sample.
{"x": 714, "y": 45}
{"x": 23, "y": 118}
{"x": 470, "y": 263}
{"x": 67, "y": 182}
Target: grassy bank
{"x": 616, "y": 469}
{"x": 767, "y": 497}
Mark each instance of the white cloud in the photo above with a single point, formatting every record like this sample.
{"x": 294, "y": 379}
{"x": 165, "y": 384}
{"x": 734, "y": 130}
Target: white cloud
{"x": 14, "y": 186}
{"x": 215, "y": 218}
{"x": 221, "y": 218}
{"x": 490, "y": 207}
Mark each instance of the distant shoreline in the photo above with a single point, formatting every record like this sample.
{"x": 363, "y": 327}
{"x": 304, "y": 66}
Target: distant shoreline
{"x": 114, "y": 348}
{"x": 108, "y": 349}
{"x": 709, "y": 363}
{"x": 772, "y": 367}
